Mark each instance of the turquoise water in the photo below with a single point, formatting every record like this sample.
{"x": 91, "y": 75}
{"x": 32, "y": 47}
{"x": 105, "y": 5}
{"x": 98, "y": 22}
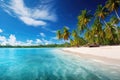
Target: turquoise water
{"x": 50, "y": 64}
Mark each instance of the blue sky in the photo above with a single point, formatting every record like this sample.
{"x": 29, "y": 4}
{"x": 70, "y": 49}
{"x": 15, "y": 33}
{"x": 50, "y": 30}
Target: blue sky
{"x": 36, "y": 21}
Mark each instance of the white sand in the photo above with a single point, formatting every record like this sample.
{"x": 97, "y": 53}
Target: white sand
{"x": 111, "y": 52}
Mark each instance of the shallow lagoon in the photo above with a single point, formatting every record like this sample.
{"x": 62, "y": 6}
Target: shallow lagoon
{"x": 51, "y": 64}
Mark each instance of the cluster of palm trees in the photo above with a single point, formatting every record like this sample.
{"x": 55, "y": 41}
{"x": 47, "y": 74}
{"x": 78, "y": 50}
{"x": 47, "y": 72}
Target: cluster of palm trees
{"x": 100, "y": 32}
{"x": 74, "y": 38}
{"x": 64, "y": 33}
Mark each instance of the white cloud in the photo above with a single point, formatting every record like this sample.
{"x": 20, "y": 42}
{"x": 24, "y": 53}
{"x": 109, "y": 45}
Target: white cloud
{"x": 10, "y": 41}
{"x": 1, "y": 30}
{"x": 46, "y": 41}
{"x": 29, "y": 42}
{"x": 38, "y": 41}
{"x": 31, "y": 21}
{"x": 43, "y": 41}
{"x": 2, "y": 38}
{"x": 42, "y": 34}
{"x": 34, "y": 17}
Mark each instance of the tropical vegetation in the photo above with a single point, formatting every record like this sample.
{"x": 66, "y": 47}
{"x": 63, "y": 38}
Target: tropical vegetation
{"x": 105, "y": 29}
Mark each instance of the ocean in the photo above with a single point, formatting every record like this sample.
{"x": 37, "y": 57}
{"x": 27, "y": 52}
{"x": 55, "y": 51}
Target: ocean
{"x": 52, "y": 64}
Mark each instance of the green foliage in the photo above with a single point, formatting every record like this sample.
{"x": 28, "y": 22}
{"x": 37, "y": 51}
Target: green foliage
{"x": 78, "y": 41}
{"x": 112, "y": 5}
{"x": 59, "y": 34}
{"x": 101, "y": 12}
{"x": 66, "y": 33}
{"x": 98, "y": 33}
{"x": 118, "y": 28}
{"x": 83, "y": 19}
{"x": 111, "y": 34}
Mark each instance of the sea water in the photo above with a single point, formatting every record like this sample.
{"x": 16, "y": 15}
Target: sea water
{"x": 51, "y": 64}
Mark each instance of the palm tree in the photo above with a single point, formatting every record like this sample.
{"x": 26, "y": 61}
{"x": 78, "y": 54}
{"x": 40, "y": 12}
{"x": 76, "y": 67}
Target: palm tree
{"x": 114, "y": 21}
{"x": 110, "y": 34}
{"x": 101, "y": 13}
{"x": 89, "y": 36}
{"x": 76, "y": 41}
{"x": 83, "y": 19}
{"x": 97, "y": 31}
{"x": 113, "y": 5}
{"x": 71, "y": 42}
{"x": 74, "y": 34}
{"x": 119, "y": 33}
{"x": 66, "y": 33}
{"x": 59, "y": 34}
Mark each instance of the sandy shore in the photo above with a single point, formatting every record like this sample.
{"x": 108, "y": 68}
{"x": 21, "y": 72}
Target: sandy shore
{"x": 104, "y": 53}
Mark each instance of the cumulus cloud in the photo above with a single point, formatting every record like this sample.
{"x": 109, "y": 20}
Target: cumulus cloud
{"x": 3, "y": 40}
{"x": 46, "y": 42}
{"x": 1, "y": 30}
{"x": 34, "y": 17}
{"x": 29, "y": 42}
{"x": 38, "y": 41}
{"x": 43, "y": 41}
{"x": 10, "y": 41}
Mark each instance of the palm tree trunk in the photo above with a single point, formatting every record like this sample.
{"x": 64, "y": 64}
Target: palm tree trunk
{"x": 116, "y": 30}
{"x": 99, "y": 19}
{"x": 117, "y": 15}
{"x": 105, "y": 22}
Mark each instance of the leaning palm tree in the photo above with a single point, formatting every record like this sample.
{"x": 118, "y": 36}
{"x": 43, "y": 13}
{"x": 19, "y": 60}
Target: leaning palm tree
{"x": 114, "y": 20}
{"x": 119, "y": 34}
{"x": 76, "y": 37}
{"x": 83, "y": 19}
{"x": 66, "y": 33}
{"x": 113, "y": 5}
{"x": 97, "y": 31}
{"x": 71, "y": 42}
{"x": 110, "y": 34}
{"x": 101, "y": 13}
{"x": 59, "y": 34}
{"x": 89, "y": 36}
{"x": 74, "y": 34}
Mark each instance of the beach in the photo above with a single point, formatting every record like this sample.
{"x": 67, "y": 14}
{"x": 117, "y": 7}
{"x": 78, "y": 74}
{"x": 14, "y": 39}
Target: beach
{"x": 109, "y": 54}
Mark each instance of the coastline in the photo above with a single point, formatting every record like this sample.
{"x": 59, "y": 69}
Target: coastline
{"x": 107, "y": 54}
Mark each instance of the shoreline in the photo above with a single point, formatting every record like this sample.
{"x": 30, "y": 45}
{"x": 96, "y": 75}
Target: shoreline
{"x": 107, "y": 54}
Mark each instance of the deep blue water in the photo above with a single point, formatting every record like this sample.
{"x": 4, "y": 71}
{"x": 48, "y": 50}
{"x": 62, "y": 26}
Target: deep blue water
{"x": 50, "y": 64}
